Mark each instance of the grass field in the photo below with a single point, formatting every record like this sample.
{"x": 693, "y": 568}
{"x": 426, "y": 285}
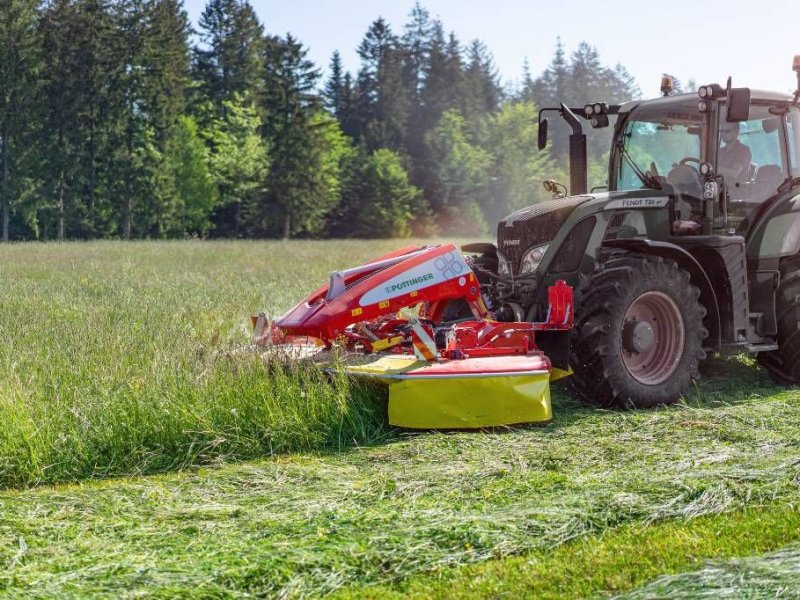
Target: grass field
{"x": 121, "y": 359}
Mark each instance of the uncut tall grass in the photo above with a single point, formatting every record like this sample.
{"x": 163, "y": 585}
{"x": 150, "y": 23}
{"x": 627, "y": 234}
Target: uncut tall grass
{"x": 124, "y": 358}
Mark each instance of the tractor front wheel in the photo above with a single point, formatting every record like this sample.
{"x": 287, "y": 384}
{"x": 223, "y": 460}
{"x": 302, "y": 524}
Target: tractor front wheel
{"x": 638, "y": 337}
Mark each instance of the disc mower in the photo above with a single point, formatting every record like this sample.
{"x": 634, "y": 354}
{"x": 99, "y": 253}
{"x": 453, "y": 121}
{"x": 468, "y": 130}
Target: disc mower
{"x": 416, "y": 320}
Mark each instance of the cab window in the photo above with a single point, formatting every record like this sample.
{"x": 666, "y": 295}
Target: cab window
{"x": 752, "y": 161}
{"x": 750, "y": 156}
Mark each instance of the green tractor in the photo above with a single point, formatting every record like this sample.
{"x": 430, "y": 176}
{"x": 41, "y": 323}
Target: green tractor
{"x": 693, "y": 247}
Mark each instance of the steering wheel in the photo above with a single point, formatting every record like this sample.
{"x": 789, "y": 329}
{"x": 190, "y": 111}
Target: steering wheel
{"x": 689, "y": 159}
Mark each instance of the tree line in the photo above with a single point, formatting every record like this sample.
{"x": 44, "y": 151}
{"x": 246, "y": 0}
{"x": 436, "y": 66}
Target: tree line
{"x": 119, "y": 120}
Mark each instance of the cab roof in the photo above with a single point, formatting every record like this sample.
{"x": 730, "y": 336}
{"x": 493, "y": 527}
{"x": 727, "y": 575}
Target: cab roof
{"x": 755, "y": 95}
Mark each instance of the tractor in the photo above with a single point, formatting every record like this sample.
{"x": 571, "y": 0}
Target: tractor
{"x": 693, "y": 246}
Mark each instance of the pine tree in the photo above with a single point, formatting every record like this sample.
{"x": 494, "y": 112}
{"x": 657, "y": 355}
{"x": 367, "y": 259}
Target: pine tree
{"x": 550, "y": 90}
{"x": 436, "y": 94}
{"x": 80, "y": 62}
{"x": 149, "y": 94}
{"x": 187, "y": 158}
{"x": 339, "y": 96}
{"x": 582, "y": 80}
{"x": 335, "y": 94}
{"x": 20, "y": 64}
{"x": 551, "y": 87}
{"x": 525, "y": 93}
{"x": 165, "y": 62}
{"x": 482, "y": 89}
{"x": 416, "y": 45}
{"x": 303, "y": 181}
{"x": 230, "y": 60}
{"x": 382, "y": 104}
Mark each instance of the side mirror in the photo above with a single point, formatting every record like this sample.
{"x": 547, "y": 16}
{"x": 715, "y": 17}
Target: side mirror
{"x": 542, "y": 134}
{"x": 738, "y": 106}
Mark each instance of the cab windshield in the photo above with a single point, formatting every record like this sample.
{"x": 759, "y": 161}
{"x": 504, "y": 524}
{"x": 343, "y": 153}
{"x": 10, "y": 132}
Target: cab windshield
{"x": 662, "y": 142}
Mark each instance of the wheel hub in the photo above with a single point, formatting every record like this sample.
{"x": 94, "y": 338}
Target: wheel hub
{"x": 652, "y": 338}
{"x": 637, "y": 336}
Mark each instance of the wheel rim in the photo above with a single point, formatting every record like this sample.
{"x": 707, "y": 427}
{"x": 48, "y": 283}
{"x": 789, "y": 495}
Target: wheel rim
{"x": 652, "y": 338}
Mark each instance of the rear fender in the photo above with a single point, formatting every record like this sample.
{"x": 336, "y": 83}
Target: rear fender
{"x": 777, "y": 230}
{"x": 708, "y": 297}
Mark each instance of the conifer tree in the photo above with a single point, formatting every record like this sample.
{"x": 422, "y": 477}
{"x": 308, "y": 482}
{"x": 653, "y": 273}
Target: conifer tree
{"x": 149, "y": 94}
{"x": 303, "y": 183}
{"x": 165, "y": 58}
{"x": 20, "y": 65}
{"x": 416, "y": 45}
{"x": 335, "y": 94}
{"x": 238, "y": 163}
{"x": 382, "y": 102}
{"x": 482, "y": 89}
{"x": 230, "y": 60}
{"x": 188, "y": 162}
{"x": 80, "y": 62}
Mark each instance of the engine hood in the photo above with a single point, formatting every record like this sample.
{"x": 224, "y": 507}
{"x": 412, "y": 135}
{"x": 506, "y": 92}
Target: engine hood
{"x": 539, "y": 224}
{"x": 534, "y": 225}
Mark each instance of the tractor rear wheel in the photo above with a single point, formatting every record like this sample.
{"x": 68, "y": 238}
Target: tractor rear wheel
{"x": 638, "y": 338}
{"x": 783, "y": 364}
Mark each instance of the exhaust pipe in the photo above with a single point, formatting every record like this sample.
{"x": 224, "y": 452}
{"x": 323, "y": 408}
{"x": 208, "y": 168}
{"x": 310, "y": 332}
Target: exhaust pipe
{"x": 578, "y": 165}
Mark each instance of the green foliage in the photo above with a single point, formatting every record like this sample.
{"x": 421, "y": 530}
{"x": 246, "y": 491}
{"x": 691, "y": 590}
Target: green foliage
{"x": 518, "y": 167}
{"x": 382, "y": 101}
{"x": 378, "y": 199}
{"x": 238, "y": 162}
{"x": 188, "y": 161}
{"x": 461, "y": 177}
{"x": 102, "y": 103}
{"x": 576, "y": 81}
{"x": 307, "y": 146}
{"x": 20, "y": 66}
{"x": 229, "y": 60}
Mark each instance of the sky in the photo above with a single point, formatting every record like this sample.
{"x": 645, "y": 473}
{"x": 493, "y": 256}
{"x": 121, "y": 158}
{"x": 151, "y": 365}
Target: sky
{"x": 705, "y": 40}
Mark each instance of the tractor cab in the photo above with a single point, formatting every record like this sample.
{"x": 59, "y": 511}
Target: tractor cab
{"x": 692, "y": 148}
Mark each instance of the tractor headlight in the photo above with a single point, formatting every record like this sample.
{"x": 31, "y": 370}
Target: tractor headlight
{"x": 503, "y": 266}
{"x": 532, "y": 258}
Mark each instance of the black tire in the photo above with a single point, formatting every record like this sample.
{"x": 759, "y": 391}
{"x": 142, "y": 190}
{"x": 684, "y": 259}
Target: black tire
{"x": 638, "y": 337}
{"x": 783, "y": 364}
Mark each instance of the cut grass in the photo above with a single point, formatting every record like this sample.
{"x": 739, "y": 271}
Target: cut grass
{"x": 774, "y": 575}
{"x": 631, "y": 556}
{"x": 307, "y": 525}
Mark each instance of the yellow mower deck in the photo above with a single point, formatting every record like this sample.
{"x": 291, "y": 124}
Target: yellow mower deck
{"x": 420, "y": 398}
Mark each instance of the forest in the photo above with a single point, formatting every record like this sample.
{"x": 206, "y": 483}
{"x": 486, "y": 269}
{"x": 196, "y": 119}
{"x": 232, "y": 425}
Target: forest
{"x": 122, "y": 119}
